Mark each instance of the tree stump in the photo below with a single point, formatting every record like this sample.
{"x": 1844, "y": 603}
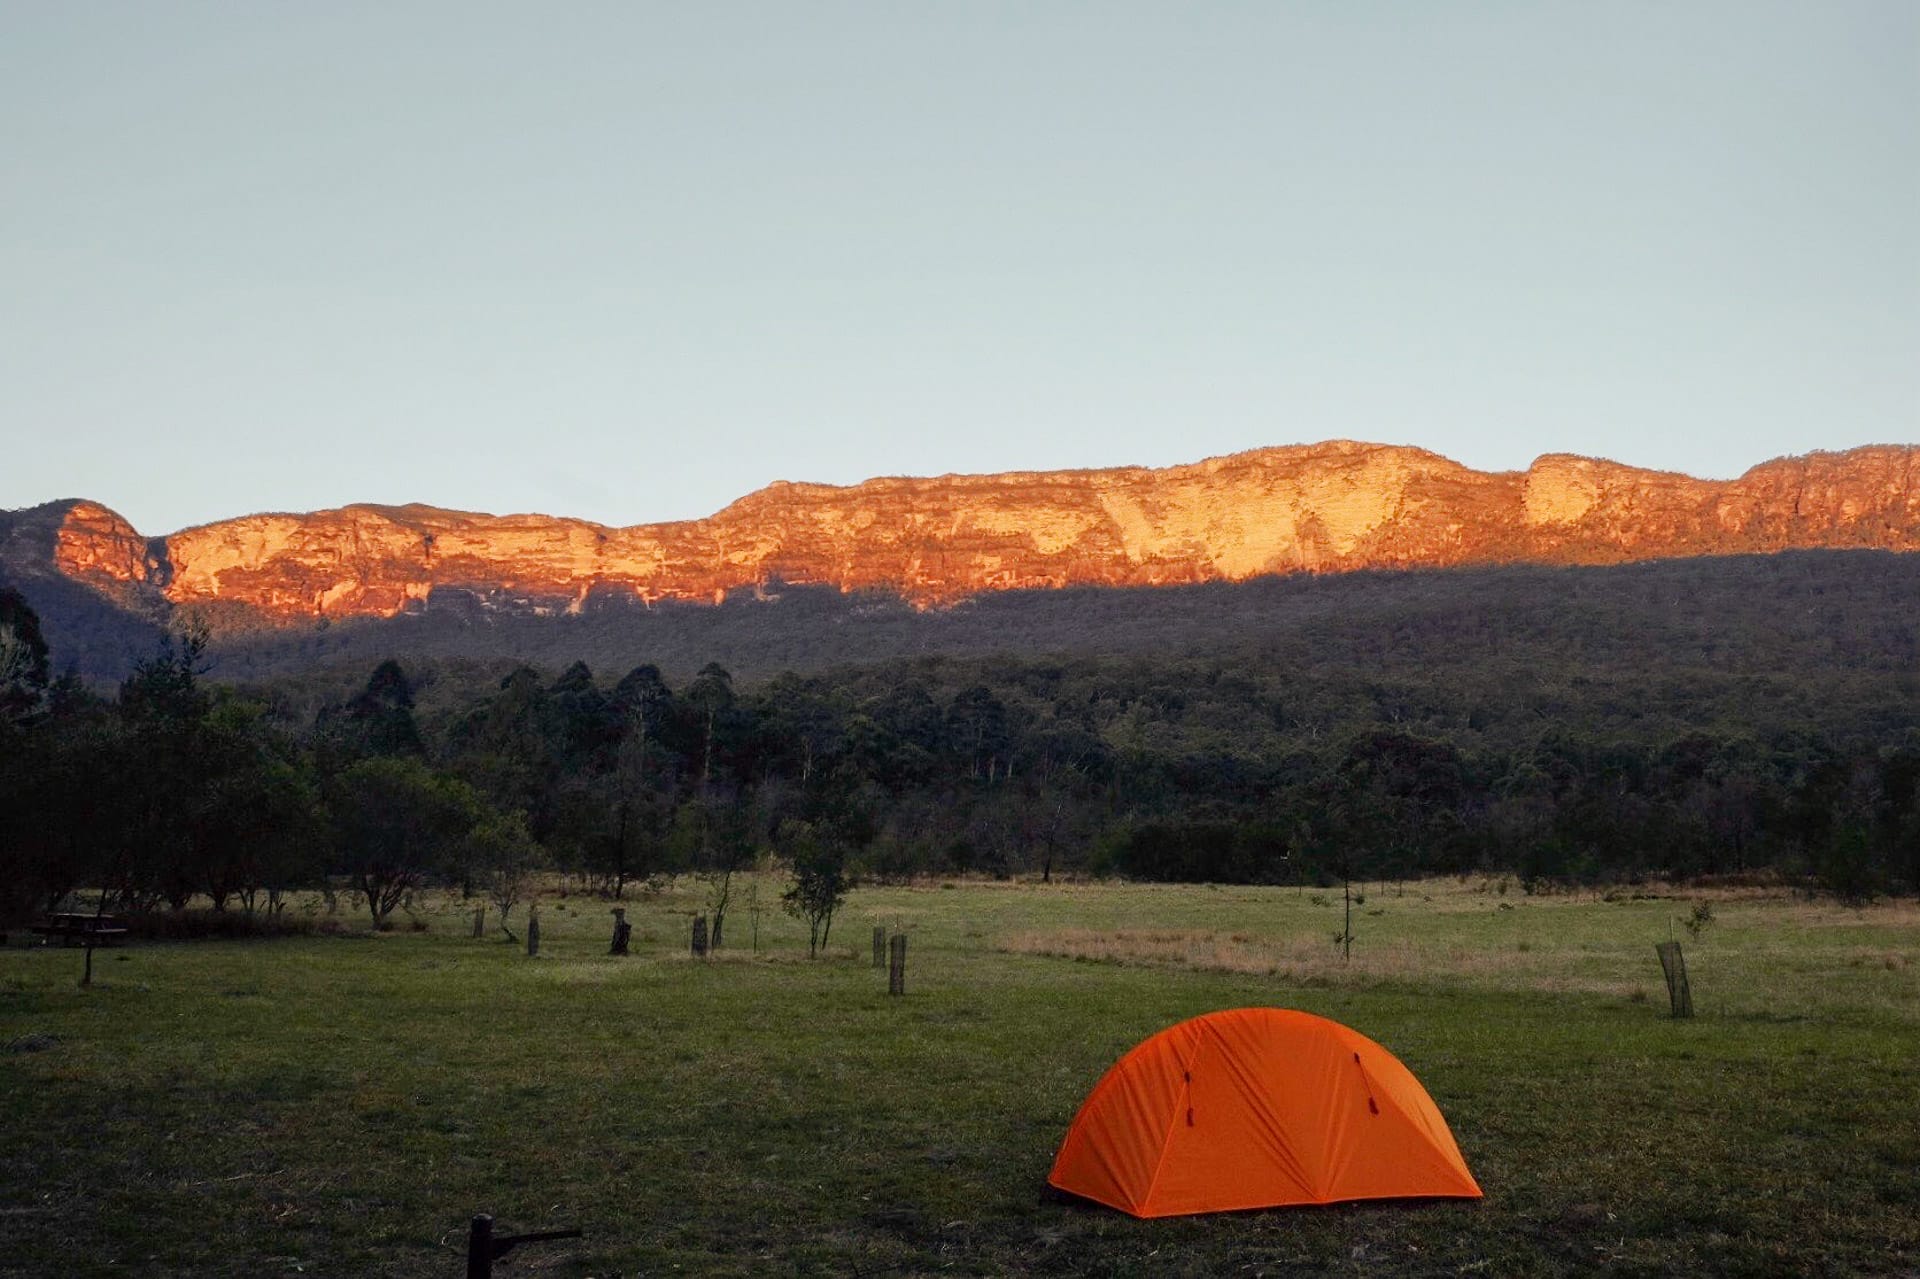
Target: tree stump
{"x": 533, "y": 931}
{"x": 879, "y": 948}
{"x": 1674, "y": 965}
{"x": 897, "y": 965}
{"x": 622, "y": 931}
{"x": 699, "y": 936}
{"x": 479, "y": 922}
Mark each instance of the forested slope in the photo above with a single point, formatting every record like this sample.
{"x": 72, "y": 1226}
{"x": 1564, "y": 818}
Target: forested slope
{"x": 1798, "y": 609}
{"x": 1690, "y": 718}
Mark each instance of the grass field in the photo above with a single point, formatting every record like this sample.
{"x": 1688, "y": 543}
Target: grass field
{"x": 342, "y": 1105}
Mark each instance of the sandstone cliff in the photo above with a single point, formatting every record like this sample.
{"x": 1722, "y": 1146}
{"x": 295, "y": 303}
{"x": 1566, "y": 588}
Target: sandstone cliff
{"x": 1324, "y": 508}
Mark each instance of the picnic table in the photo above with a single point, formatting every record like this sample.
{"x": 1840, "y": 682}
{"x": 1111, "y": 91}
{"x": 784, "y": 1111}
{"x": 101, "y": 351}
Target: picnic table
{"x": 79, "y": 928}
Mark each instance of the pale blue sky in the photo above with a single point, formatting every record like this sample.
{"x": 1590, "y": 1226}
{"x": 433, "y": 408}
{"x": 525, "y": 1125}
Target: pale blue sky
{"x": 629, "y": 262}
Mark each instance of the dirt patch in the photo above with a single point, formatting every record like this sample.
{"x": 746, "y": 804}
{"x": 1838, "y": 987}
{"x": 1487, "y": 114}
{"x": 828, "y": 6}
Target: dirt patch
{"x": 32, "y": 1043}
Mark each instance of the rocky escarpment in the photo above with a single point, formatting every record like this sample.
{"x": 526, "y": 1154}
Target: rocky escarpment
{"x": 1326, "y": 507}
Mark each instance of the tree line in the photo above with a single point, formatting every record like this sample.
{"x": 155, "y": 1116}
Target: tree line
{"x": 176, "y": 787}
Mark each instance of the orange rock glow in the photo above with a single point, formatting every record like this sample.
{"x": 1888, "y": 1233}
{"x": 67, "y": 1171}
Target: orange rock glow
{"x": 1324, "y": 508}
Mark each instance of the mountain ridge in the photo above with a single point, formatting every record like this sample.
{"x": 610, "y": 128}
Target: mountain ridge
{"x": 1328, "y": 507}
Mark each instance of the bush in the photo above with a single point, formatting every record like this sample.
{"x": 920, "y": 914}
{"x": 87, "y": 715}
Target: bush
{"x": 217, "y": 925}
{"x": 1220, "y": 852}
{"x": 1697, "y": 922}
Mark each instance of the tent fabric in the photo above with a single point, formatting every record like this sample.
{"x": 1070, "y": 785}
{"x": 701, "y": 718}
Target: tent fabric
{"x": 1258, "y": 1108}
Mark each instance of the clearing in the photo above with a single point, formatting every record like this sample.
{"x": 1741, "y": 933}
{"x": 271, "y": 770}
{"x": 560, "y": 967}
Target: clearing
{"x": 341, "y": 1104}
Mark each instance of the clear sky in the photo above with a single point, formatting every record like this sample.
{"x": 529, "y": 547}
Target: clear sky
{"x": 629, "y": 261}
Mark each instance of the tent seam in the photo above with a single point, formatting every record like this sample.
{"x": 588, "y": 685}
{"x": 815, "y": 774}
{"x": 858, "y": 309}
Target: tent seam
{"x": 1166, "y": 1144}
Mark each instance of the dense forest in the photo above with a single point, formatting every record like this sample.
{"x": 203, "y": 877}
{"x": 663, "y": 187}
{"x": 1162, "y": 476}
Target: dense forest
{"x": 1799, "y": 609}
{"x": 1560, "y": 727}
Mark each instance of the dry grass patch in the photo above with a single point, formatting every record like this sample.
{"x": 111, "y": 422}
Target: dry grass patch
{"x": 1311, "y": 961}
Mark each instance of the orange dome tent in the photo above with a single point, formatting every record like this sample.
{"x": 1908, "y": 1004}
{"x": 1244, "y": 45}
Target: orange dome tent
{"x": 1258, "y": 1108}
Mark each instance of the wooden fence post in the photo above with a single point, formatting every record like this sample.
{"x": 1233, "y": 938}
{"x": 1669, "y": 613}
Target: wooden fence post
{"x": 533, "y": 930}
{"x": 699, "y": 936}
{"x": 879, "y": 948}
{"x": 480, "y": 1247}
{"x": 1674, "y": 965}
{"x": 897, "y": 966}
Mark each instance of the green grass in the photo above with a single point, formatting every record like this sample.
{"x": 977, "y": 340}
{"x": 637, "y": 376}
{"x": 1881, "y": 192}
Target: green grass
{"x": 342, "y": 1105}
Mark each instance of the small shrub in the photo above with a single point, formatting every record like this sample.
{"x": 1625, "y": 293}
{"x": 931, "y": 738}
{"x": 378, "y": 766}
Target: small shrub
{"x": 1697, "y": 922}
{"x": 1319, "y": 899}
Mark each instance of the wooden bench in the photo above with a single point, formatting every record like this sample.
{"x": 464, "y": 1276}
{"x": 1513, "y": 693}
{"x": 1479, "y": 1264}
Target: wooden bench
{"x": 81, "y": 929}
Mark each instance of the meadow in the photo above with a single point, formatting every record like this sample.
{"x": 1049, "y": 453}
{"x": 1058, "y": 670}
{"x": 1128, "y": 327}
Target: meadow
{"x": 341, "y": 1104}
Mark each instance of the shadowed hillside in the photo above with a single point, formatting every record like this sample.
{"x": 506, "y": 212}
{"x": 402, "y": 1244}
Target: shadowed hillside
{"x": 1796, "y": 611}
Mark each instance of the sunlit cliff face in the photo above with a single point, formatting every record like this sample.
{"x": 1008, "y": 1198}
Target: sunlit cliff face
{"x": 1324, "y": 507}
{"x": 96, "y": 542}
